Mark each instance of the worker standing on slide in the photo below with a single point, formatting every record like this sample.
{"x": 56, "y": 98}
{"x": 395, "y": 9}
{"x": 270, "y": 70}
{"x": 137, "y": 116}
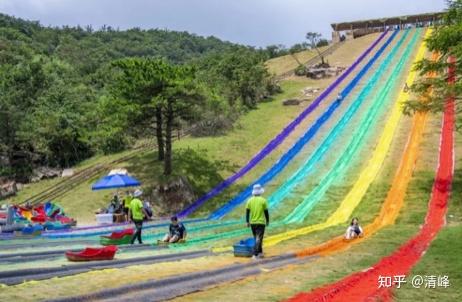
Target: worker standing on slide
{"x": 137, "y": 214}
{"x": 257, "y": 217}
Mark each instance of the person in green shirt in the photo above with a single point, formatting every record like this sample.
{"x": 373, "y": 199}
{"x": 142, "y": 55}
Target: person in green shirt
{"x": 137, "y": 213}
{"x": 257, "y": 218}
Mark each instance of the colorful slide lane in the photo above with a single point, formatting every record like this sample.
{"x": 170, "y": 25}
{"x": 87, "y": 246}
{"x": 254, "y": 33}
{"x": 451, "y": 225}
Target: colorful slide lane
{"x": 358, "y": 137}
{"x": 279, "y": 138}
{"x": 351, "y": 150}
{"x": 364, "y": 285}
{"x": 309, "y": 166}
{"x": 362, "y": 129}
{"x": 273, "y": 171}
{"x": 369, "y": 172}
{"x": 308, "y": 135}
{"x": 296, "y": 148}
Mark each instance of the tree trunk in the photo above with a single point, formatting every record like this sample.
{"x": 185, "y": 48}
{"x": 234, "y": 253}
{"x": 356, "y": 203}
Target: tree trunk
{"x": 296, "y": 59}
{"x": 159, "y": 134}
{"x": 320, "y": 55}
{"x": 168, "y": 140}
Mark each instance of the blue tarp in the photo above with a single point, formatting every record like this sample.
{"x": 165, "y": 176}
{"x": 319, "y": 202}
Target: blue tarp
{"x": 115, "y": 181}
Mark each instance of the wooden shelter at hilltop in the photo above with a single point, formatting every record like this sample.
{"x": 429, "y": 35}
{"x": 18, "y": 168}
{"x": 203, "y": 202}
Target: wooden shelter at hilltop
{"x": 354, "y": 29}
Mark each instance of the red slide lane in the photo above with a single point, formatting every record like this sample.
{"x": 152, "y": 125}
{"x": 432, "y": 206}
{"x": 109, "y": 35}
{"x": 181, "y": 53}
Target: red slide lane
{"x": 364, "y": 286}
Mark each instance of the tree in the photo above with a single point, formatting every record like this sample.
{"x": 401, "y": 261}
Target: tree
{"x": 57, "y": 123}
{"x": 322, "y": 43}
{"x": 294, "y": 50}
{"x": 162, "y": 93}
{"x": 180, "y": 99}
{"x": 240, "y": 76}
{"x": 21, "y": 80}
{"x": 445, "y": 40}
{"x": 58, "y": 100}
{"x": 313, "y": 40}
{"x": 141, "y": 80}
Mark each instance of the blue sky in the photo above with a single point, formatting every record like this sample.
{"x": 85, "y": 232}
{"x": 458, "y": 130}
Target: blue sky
{"x": 250, "y": 22}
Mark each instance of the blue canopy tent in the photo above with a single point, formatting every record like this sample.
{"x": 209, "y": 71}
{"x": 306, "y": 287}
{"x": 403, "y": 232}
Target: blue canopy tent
{"x": 115, "y": 181}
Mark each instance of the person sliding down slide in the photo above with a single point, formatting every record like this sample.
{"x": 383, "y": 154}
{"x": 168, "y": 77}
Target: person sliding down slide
{"x": 256, "y": 214}
{"x": 354, "y": 230}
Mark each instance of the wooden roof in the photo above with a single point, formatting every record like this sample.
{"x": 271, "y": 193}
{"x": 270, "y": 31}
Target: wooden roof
{"x": 387, "y": 21}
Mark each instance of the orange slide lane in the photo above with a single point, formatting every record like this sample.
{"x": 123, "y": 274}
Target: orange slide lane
{"x": 364, "y": 286}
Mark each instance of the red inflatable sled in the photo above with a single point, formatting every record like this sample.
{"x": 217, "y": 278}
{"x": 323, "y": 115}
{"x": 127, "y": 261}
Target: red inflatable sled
{"x": 93, "y": 254}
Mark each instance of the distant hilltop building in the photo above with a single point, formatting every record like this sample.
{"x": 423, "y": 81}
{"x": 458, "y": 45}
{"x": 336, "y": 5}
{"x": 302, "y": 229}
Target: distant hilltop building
{"x": 354, "y": 29}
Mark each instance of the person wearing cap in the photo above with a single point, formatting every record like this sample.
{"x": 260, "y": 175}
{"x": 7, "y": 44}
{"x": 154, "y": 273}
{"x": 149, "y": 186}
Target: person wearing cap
{"x": 176, "y": 231}
{"x": 137, "y": 213}
{"x": 257, "y": 218}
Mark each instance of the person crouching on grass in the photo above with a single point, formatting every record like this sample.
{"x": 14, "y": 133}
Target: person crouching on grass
{"x": 257, "y": 218}
{"x": 137, "y": 214}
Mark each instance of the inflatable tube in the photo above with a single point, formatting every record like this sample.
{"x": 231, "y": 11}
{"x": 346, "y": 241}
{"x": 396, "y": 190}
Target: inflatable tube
{"x": 32, "y": 230}
{"x": 280, "y": 137}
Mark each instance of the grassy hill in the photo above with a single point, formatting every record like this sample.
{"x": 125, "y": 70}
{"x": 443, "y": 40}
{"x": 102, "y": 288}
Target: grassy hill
{"x": 207, "y": 161}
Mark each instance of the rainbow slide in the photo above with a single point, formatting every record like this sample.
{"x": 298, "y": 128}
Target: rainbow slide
{"x": 363, "y": 285}
{"x": 363, "y": 128}
{"x": 295, "y": 149}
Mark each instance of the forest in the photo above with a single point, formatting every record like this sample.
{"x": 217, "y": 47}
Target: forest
{"x": 68, "y": 93}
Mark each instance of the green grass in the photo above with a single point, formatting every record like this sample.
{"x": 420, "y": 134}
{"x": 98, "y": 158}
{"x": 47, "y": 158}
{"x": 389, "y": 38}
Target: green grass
{"x": 30, "y": 190}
